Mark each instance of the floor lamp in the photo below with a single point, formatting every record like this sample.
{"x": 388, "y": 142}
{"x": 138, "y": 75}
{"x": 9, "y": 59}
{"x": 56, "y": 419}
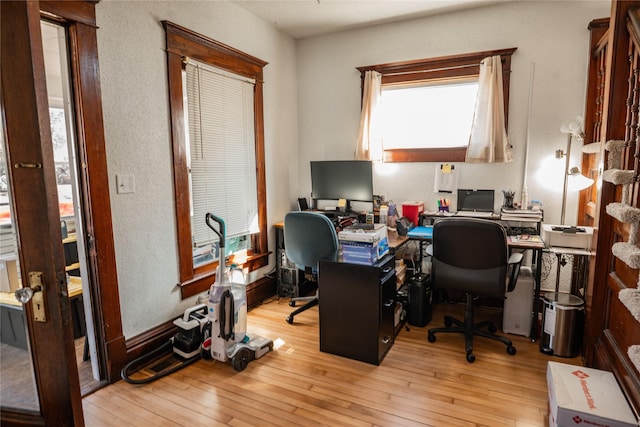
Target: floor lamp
{"x": 574, "y": 180}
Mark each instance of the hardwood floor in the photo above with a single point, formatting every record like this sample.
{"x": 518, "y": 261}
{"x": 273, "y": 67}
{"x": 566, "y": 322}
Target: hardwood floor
{"x": 418, "y": 383}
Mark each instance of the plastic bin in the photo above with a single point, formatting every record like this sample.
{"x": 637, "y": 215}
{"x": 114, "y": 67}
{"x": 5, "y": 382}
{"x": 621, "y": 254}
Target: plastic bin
{"x": 562, "y": 324}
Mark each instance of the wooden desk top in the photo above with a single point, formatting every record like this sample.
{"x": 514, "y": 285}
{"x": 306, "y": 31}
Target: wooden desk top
{"x": 74, "y": 288}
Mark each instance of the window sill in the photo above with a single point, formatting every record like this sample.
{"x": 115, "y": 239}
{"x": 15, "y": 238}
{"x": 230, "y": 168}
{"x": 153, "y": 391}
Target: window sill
{"x": 203, "y": 281}
{"x": 455, "y": 154}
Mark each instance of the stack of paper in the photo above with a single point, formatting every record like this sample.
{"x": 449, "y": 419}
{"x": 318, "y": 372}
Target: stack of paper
{"x": 523, "y": 215}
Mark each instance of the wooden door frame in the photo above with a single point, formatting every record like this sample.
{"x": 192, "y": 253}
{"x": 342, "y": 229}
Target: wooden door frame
{"x": 25, "y": 102}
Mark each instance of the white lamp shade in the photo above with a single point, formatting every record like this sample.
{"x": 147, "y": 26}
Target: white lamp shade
{"x": 577, "y": 181}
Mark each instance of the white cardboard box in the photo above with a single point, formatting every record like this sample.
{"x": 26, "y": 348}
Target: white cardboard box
{"x": 378, "y": 233}
{"x": 580, "y": 396}
{"x": 579, "y": 240}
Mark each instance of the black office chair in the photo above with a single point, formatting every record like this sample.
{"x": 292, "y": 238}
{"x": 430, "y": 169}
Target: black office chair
{"x": 308, "y": 238}
{"x": 471, "y": 255}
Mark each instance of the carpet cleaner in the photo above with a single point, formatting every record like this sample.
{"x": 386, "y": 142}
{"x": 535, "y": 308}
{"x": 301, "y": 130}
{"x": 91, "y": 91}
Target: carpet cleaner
{"x": 215, "y": 330}
{"x": 225, "y": 335}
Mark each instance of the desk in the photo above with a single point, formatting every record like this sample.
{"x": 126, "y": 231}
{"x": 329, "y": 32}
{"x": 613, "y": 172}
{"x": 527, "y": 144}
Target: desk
{"x": 12, "y": 322}
{"x": 357, "y": 313}
{"x": 535, "y": 244}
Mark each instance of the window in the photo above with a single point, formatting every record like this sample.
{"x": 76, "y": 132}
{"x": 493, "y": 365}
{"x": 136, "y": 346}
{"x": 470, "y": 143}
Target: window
{"x": 221, "y": 160}
{"x": 428, "y": 105}
{"x": 215, "y": 100}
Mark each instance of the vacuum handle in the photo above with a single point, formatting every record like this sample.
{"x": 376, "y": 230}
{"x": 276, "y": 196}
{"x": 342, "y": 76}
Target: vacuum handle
{"x": 221, "y": 232}
{"x": 187, "y": 313}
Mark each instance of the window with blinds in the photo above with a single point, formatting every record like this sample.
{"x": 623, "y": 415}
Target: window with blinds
{"x": 222, "y": 158}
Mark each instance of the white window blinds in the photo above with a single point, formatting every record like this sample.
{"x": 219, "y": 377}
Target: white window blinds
{"x": 221, "y": 145}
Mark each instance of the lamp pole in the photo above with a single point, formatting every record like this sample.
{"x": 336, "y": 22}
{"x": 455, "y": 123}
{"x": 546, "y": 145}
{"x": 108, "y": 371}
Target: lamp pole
{"x": 566, "y": 178}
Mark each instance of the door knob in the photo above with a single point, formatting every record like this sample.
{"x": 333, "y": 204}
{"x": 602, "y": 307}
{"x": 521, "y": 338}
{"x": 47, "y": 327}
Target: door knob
{"x": 35, "y": 293}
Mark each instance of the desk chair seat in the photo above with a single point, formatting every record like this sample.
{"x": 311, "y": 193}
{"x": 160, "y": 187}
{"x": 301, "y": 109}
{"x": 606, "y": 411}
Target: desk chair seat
{"x": 308, "y": 238}
{"x": 471, "y": 255}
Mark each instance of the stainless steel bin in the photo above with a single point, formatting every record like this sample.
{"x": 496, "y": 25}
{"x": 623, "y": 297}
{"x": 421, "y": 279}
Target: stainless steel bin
{"x": 562, "y": 324}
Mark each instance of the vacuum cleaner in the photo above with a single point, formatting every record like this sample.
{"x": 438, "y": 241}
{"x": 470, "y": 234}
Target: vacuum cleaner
{"x": 215, "y": 330}
{"x": 225, "y": 335}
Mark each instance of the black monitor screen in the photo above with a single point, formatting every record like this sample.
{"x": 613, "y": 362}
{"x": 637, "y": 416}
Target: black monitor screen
{"x": 475, "y": 200}
{"x": 342, "y": 179}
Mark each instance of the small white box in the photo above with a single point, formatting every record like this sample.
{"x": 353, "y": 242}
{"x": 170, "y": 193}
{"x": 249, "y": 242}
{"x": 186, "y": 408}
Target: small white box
{"x": 378, "y": 233}
{"x": 586, "y": 396}
{"x": 518, "y": 305}
{"x": 563, "y": 239}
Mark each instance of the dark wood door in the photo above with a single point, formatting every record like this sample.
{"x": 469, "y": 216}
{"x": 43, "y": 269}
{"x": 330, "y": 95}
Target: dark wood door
{"x": 36, "y": 216}
{"x": 612, "y": 331}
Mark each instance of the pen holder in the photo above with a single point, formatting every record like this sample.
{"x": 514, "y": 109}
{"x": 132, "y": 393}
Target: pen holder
{"x": 443, "y": 209}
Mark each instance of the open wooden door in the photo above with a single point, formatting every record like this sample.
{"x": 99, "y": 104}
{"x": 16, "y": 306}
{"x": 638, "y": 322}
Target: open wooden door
{"x": 36, "y": 219}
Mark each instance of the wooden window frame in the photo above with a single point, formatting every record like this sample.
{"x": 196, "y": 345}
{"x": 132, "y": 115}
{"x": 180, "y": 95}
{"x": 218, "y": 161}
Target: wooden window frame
{"x": 440, "y": 68}
{"x": 182, "y": 43}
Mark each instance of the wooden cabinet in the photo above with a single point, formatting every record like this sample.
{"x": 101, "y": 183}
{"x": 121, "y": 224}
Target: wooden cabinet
{"x": 357, "y": 306}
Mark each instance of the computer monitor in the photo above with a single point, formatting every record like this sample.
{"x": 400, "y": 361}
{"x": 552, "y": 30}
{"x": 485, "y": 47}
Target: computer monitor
{"x": 342, "y": 179}
{"x": 475, "y": 200}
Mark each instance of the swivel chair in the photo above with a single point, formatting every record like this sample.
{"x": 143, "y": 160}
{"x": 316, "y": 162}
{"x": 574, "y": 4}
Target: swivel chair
{"x": 471, "y": 255}
{"x": 308, "y": 238}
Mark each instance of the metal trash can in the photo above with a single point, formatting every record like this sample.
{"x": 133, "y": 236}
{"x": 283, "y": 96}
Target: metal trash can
{"x": 562, "y": 324}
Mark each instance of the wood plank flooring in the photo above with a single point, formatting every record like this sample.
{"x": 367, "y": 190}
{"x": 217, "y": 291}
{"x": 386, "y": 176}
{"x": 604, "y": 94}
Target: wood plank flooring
{"x": 418, "y": 383}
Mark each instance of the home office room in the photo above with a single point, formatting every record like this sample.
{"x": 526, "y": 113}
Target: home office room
{"x": 171, "y": 336}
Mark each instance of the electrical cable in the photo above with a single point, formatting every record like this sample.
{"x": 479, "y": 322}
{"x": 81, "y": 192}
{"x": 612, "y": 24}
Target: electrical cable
{"x": 124, "y": 373}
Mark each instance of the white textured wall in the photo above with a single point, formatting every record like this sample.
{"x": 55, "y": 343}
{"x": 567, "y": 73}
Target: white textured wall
{"x": 552, "y": 34}
{"x": 137, "y": 130}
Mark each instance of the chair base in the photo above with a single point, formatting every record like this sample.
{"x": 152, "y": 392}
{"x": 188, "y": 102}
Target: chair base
{"x": 469, "y": 329}
{"x": 311, "y": 302}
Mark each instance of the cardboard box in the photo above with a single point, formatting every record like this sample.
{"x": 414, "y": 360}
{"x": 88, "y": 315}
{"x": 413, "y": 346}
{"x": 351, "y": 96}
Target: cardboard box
{"x": 350, "y": 234}
{"x": 558, "y": 238}
{"x": 412, "y": 210}
{"x": 581, "y": 396}
{"x": 364, "y": 253}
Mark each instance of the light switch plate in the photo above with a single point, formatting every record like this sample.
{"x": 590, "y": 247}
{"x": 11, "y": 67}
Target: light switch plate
{"x": 125, "y": 184}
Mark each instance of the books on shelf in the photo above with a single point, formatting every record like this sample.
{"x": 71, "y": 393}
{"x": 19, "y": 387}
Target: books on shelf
{"x": 523, "y": 215}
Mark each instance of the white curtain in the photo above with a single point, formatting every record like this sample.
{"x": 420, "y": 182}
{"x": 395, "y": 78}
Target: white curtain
{"x": 488, "y": 140}
{"x": 370, "y": 136}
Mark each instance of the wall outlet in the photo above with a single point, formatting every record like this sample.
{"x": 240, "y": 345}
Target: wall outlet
{"x": 125, "y": 184}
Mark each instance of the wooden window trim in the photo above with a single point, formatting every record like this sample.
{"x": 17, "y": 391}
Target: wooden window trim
{"x": 439, "y": 68}
{"x": 182, "y": 43}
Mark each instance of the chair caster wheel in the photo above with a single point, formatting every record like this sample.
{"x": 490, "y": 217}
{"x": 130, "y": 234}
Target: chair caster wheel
{"x": 447, "y": 322}
{"x": 511, "y": 350}
{"x": 431, "y": 337}
{"x": 290, "y": 320}
{"x": 492, "y": 328}
{"x": 292, "y": 303}
{"x": 471, "y": 357}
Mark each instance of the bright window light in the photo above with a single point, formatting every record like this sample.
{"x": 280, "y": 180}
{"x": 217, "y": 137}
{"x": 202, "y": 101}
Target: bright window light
{"x": 429, "y": 115}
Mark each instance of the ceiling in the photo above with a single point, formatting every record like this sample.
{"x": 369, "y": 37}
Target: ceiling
{"x": 305, "y": 18}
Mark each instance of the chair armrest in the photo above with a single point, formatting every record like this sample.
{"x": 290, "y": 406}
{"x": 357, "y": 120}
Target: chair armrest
{"x": 513, "y": 266}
